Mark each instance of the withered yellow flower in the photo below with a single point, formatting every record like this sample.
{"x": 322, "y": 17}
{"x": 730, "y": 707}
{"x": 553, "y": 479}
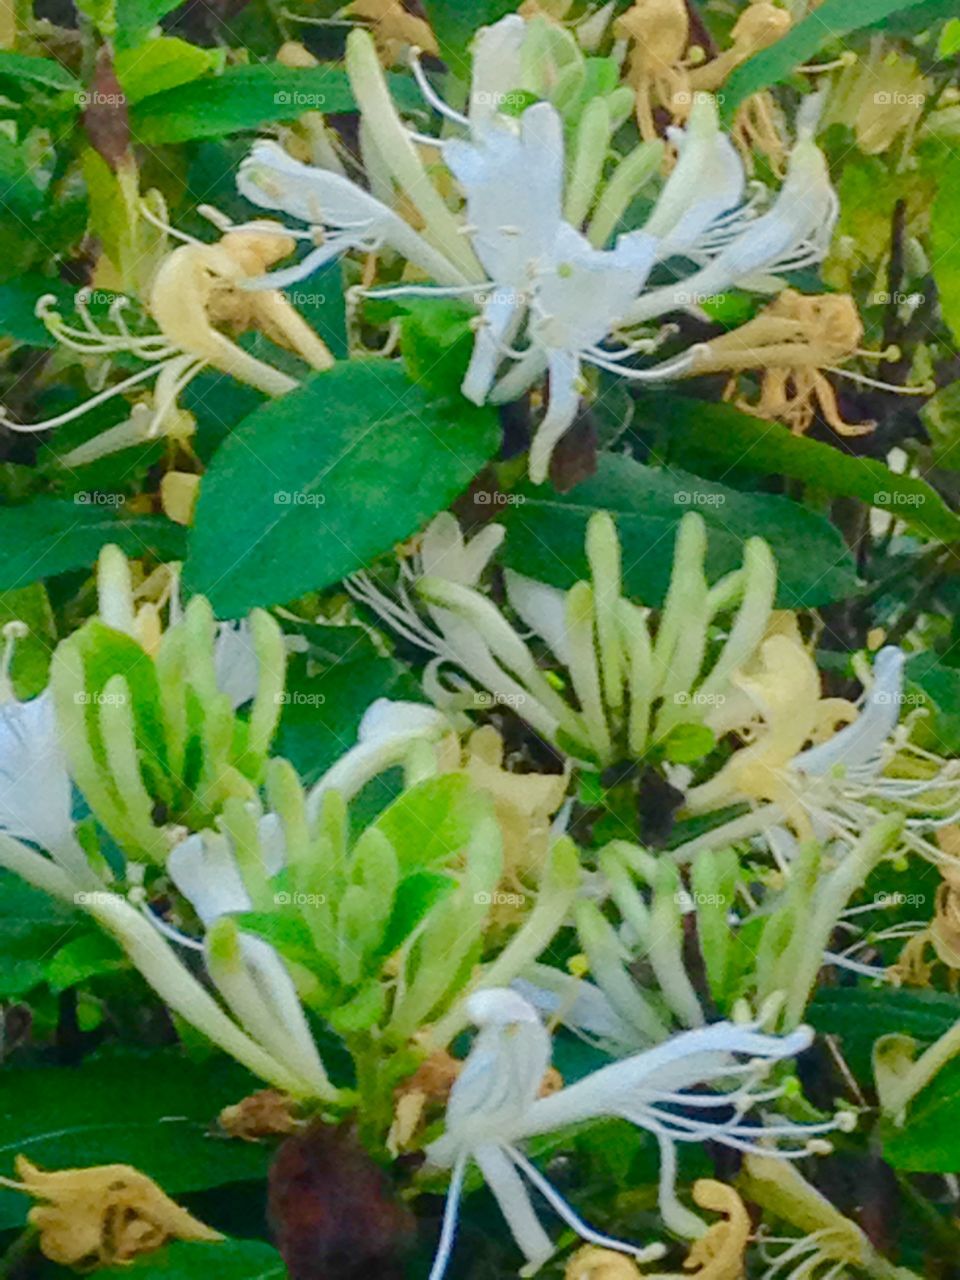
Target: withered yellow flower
{"x": 102, "y": 1216}
{"x": 791, "y": 342}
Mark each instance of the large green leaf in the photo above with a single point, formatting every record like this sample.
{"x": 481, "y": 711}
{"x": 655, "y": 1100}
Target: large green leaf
{"x": 546, "y": 534}
{"x": 244, "y": 98}
{"x": 189, "y": 1260}
{"x": 831, "y": 21}
{"x": 155, "y": 1111}
{"x": 313, "y": 486}
{"x": 860, "y": 1015}
{"x": 724, "y": 438}
{"x": 945, "y": 243}
{"x": 50, "y": 535}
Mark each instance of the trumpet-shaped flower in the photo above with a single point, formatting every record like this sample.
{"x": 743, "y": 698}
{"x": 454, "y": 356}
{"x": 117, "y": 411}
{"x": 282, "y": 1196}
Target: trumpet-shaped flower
{"x": 832, "y": 786}
{"x": 197, "y": 292}
{"x": 248, "y": 972}
{"x": 624, "y": 687}
{"x": 534, "y": 275}
{"x": 495, "y": 1105}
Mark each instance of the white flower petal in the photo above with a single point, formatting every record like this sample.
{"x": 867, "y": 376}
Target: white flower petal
{"x": 544, "y": 610}
{"x": 205, "y": 871}
{"x": 35, "y": 789}
{"x": 860, "y": 745}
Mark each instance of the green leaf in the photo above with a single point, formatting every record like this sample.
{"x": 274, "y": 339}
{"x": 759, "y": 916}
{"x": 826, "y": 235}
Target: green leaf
{"x": 154, "y": 1111}
{"x": 721, "y": 435}
{"x": 940, "y": 685}
{"x": 546, "y": 534}
{"x": 163, "y": 64}
{"x": 314, "y": 485}
{"x": 23, "y": 68}
{"x": 416, "y": 897}
{"x": 137, "y": 18}
{"x": 929, "y": 1139}
{"x": 32, "y": 925}
{"x": 945, "y": 245}
{"x": 432, "y": 822}
{"x": 244, "y": 98}
{"x": 50, "y": 535}
{"x": 832, "y": 20}
{"x": 861, "y": 1015}
{"x": 949, "y": 42}
{"x": 190, "y": 1259}
{"x": 83, "y": 958}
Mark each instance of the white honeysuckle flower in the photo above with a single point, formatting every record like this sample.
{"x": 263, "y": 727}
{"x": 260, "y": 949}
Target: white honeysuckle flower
{"x": 795, "y": 232}
{"x": 543, "y": 609}
{"x": 546, "y": 283}
{"x": 36, "y": 795}
{"x": 352, "y": 219}
{"x": 837, "y": 789}
{"x": 387, "y": 733}
{"x": 495, "y": 1104}
{"x": 235, "y": 662}
{"x": 259, "y": 990}
{"x": 701, "y": 201}
{"x": 579, "y": 1005}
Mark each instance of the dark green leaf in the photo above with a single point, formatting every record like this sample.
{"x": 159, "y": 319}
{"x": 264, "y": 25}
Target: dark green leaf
{"x": 155, "y": 1111}
{"x": 831, "y": 21}
{"x": 860, "y": 1015}
{"x": 32, "y": 927}
{"x": 546, "y": 534}
{"x": 929, "y": 1139}
{"x": 322, "y": 710}
{"x": 50, "y": 535}
{"x": 244, "y": 98}
{"x": 315, "y": 485}
{"x": 25, "y": 68}
{"x": 723, "y": 436}
{"x": 137, "y": 18}
{"x": 83, "y": 958}
{"x": 189, "y": 1260}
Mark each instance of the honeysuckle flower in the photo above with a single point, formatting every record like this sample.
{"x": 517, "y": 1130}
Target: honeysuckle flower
{"x": 838, "y": 787}
{"x": 631, "y": 687}
{"x": 518, "y": 246}
{"x": 386, "y": 735}
{"x": 103, "y": 1215}
{"x": 249, "y": 974}
{"x": 795, "y": 232}
{"x": 831, "y": 1243}
{"x": 196, "y": 292}
{"x": 36, "y": 793}
{"x": 494, "y": 1106}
